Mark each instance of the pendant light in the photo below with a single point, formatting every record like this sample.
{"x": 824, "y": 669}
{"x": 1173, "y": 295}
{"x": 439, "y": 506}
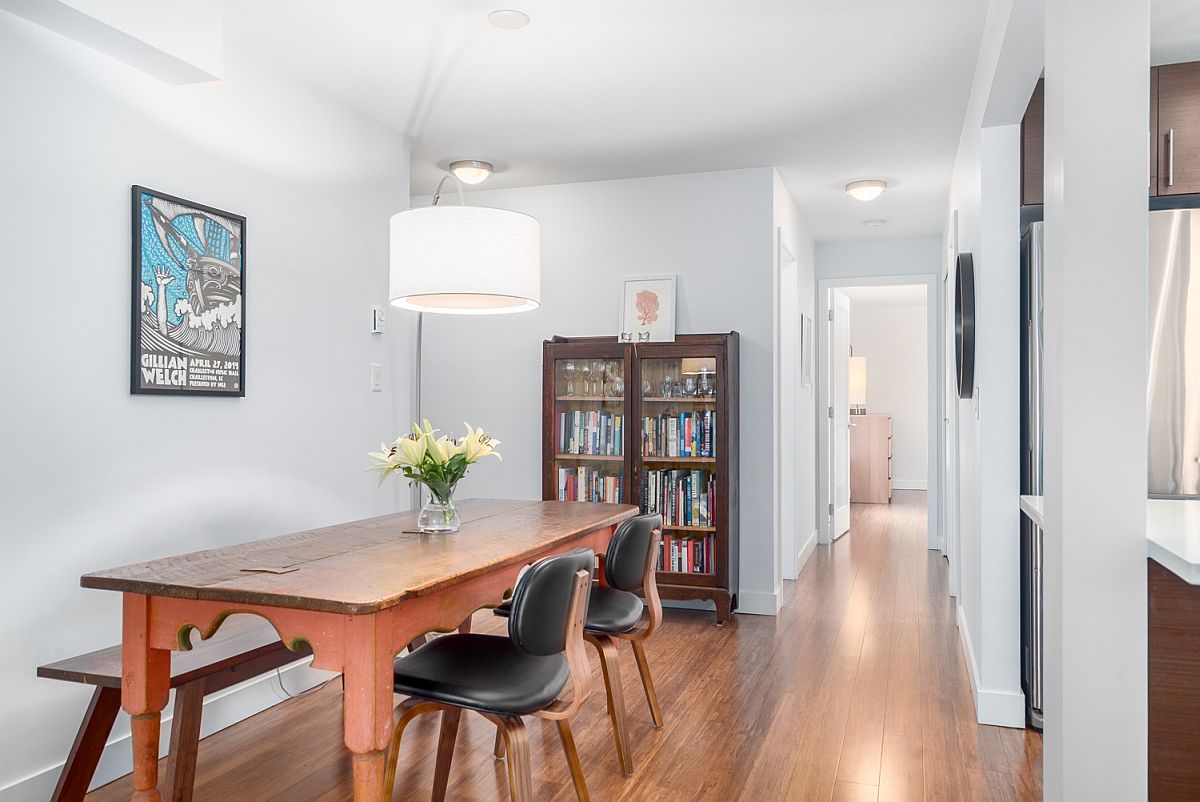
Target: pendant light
{"x": 465, "y": 260}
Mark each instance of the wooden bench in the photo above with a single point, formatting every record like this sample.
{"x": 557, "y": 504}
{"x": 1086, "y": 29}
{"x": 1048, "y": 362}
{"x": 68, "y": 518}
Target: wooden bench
{"x": 243, "y": 648}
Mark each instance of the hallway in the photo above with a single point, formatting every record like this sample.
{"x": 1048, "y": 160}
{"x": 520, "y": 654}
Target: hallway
{"x": 857, "y": 691}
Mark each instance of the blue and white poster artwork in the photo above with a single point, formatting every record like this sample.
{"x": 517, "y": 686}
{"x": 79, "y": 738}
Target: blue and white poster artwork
{"x": 188, "y": 290}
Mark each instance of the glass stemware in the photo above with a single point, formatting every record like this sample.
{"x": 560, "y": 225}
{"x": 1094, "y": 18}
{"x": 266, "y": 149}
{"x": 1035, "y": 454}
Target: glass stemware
{"x": 585, "y": 377}
{"x": 569, "y": 374}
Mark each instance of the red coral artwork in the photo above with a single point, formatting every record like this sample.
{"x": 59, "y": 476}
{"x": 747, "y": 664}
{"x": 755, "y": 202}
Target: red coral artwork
{"x": 647, "y": 307}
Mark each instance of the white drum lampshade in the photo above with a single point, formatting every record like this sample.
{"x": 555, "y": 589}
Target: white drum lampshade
{"x": 858, "y": 384}
{"x": 465, "y": 260}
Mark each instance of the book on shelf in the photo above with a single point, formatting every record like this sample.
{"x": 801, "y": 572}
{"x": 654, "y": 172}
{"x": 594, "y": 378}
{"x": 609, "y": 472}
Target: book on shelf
{"x": 682, "y": 497}
{"x": 685, "y": 434}
{"x": 690, "y": 555}
{"x": 584, "y": 483}
{"x": 592, "y": 432}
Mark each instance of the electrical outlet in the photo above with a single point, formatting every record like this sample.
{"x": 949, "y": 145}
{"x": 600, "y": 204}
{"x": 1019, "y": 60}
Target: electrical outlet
{"x": 378, "y": 319}
{"x": 376, "y": 377}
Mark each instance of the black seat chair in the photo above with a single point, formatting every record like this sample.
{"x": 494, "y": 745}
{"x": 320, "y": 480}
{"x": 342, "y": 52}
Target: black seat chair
{"x": 615, "y": 613}
{"x": 506, "y": 678}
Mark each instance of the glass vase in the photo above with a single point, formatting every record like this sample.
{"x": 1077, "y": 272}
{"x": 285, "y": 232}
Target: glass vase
{"x": 438, "y": 515}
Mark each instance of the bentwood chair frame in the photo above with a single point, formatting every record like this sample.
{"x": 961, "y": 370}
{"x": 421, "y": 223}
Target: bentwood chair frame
{"x": 606, "y": 647}
{"x": 512, "y": 728}
{"x": 610, "y": 664}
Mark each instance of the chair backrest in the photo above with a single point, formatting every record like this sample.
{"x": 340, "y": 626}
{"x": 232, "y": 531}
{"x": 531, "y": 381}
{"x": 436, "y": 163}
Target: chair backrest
{"x": 626, "y": 559}
{"x": 541, "y": 602}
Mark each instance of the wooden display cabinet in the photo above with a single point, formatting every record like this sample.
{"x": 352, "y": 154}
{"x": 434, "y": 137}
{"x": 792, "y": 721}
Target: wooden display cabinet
{"x": 652, "y": 424}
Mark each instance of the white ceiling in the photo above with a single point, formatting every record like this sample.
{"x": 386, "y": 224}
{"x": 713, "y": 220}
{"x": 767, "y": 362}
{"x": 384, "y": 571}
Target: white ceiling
{"x": 1174, "y": 31}
{"x": 890, "y": 295}
{"x": 826, "y": 91}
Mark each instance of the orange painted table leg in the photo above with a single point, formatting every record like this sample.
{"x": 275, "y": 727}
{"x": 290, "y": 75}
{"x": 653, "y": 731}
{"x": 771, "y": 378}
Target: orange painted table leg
{"x": 368, "y": 655}
{"x": 145, "y": 686}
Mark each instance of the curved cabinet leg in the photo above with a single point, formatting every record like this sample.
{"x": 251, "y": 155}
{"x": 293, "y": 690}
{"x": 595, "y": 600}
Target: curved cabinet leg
{"x": 610, "y": 664}
{"x": 568, "y": 742}
{"x": 445, "y": 753}
{"x": 639, "y": 654}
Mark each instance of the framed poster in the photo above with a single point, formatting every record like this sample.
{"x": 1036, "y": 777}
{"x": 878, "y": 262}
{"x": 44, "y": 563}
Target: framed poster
{"x": 647, "y": 309}
{"x": 189, "y": 286}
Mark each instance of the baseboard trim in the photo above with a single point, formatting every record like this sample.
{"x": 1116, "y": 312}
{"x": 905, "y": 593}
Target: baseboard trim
{"x": 910, "y": 484}
{"x": 994, "y": 707}
{"x": 755, "y": 602}
{"x": 806, "y": 551}
{"x": 222, "y": 709}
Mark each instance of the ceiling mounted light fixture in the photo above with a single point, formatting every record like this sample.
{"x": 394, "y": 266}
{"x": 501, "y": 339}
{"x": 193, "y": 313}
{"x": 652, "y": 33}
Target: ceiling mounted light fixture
{"x": 471, "y": 171}
{"x": 866, "y": 190}
{"x": 877, "y": 223}
{"x": 508, "y": 19}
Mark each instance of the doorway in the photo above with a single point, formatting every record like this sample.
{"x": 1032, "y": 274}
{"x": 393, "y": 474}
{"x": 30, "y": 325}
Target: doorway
{"x": 879, "y": 393}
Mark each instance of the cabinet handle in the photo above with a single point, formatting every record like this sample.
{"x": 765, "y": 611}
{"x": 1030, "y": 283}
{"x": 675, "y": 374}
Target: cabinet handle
{"x": 1170, "y": 157}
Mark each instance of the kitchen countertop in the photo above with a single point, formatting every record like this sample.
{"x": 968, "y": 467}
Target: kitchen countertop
{"x": 1172, "y": 533}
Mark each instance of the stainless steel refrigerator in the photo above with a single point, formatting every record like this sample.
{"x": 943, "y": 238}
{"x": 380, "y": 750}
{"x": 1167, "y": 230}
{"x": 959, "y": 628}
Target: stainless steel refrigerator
{"x": 1172, "y": 396}
{"x": 1031, "y": 469}
{"x": 1173, "y": 399}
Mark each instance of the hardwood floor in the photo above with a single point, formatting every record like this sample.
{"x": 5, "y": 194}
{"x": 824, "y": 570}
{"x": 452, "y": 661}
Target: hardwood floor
{"x": 856, "y": 691}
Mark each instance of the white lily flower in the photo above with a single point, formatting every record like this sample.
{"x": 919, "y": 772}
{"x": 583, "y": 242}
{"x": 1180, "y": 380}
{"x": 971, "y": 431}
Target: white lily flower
{"x": 476, "y": 445}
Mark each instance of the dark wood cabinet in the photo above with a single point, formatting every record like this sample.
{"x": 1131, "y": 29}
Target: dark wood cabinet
{"x": 1174, "y": 685}
{"x": 1174, "y": 132}
{"x": 656, "y": 425}
{"x": 1033, "y": 138}
{"x": 1178, "y": 128}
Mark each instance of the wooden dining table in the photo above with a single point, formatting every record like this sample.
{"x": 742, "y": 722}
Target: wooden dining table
{"x": 356, "y": 593}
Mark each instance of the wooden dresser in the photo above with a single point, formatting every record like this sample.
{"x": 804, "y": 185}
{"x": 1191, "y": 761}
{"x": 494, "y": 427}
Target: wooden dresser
{"x": 871, "y": 459}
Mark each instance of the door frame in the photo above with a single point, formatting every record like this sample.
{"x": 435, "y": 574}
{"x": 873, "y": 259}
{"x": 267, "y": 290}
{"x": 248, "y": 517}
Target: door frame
{"x": 935, "y": 412}
{"x": 787, "y": 419}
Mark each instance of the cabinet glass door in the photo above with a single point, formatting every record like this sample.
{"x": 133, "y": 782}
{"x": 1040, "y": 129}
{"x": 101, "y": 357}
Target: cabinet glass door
{"x": 679, "y": 445}
{"x": 589, "y": 429}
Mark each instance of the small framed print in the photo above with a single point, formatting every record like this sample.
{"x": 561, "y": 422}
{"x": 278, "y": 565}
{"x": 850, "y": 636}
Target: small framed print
{"x": 647, "y": 309}
{"x": 189, "y": 263}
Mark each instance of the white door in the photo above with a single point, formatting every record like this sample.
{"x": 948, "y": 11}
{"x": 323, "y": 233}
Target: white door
{"x": 839, "y": 422}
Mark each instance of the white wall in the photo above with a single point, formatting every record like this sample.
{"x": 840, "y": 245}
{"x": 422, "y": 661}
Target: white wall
{"x": 985, "y": 202}
{"x": 714, "y": 230}
{"x": 92, "y": 477}
{"x": 797, "y": 413}
{"x": 902, "y": 256}
{"x": 1095, "y": 308}
{"x": 892, "y": 338}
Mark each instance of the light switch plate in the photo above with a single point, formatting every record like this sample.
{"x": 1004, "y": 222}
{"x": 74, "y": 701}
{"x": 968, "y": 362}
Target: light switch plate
{"x": 378, "y": 319}
{"x": 376, "y": 377}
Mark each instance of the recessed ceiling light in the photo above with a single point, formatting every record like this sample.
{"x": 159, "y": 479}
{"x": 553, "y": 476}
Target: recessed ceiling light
{"x": 876, "y": 223}
{"x": 867, "y": 190}
{"x": 471, "y": 171}
{"x": 508, "y": 19}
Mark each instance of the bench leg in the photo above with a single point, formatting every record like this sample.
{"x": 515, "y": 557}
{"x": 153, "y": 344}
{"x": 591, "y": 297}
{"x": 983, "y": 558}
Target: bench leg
{"x": 89, "y": 745}
{"x": 185, "y": 740}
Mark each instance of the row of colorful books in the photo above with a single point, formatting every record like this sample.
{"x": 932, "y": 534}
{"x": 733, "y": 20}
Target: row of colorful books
{"x": 592, "y": 432}
{"x": 683, "y": 498}
{"x": 692, "y": 555}
{"x": 589, "y": 484}
{"x": 687, "y": 434}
